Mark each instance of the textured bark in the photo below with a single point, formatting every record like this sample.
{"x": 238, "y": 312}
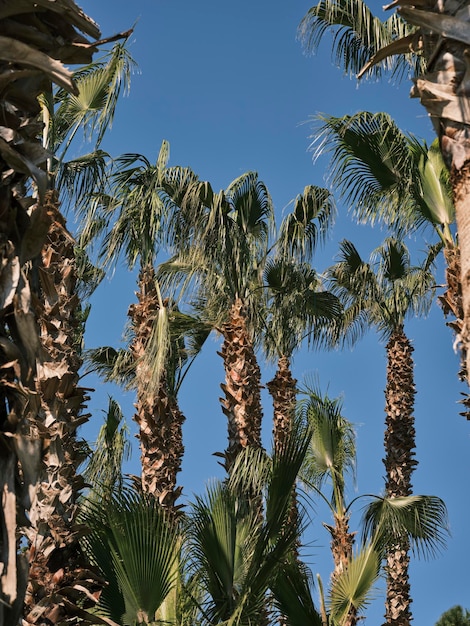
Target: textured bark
{"x": 342, "y": 542}
{"x": 157, "y": 413}
{"x": 444, "y": 91}
{"x": 451, "y": 303}
{"x": 34, "y": 38}
{"x": 61, "y": 584}
{"x": 283, "y": 389}
{"x": 242, "y": 402}
{"x": 399, "y": 465}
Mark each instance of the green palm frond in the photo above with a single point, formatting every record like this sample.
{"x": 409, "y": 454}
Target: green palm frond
{"x": 293, "y": 595}
{"x": 137, "y": 548}
{"x": 357, "y": 36}
{"x": 112, "y": 447}
{"x": 384, "y": 291}
{"x": 386, "y": 175}
{"x": 92, "y": 110}
{"x": 80, "y": 175}
{"x": 419, "y": 520}
{"x": 308, "y": 225}
{"x": 299, "y": 307}
{"x": 332, "y": 450}
{"x": 354, "y": 587}
{"x": 112, "y": 365}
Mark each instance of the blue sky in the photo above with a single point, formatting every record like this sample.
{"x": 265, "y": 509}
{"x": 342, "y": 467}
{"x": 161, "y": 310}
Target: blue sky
{"x": 228, "y": 85}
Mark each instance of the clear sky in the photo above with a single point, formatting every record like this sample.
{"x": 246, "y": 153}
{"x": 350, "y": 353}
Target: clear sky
{"x": 228, "y": 85}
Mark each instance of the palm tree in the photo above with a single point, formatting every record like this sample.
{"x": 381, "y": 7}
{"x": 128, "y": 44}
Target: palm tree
{"x": 135, "y": 214}
{"x": 432, "y": 40}
{"x": 221, "y": 264}
{"x": 55, "y": 555}
{"x": 456, "y": 616}
{"x": 389, "y": 176}
{"x": 331, "y": 456}
{"x": 299, "y": 306}
{"x": 383, "y": 293}
{"x": 32, "y": 60}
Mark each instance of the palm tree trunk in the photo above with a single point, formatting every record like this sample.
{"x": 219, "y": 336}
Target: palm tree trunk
{"x": 443, "y": 92}
{"x": 61, "y": 582}
{"x": 157, "y": 413}
{"x": 23, "y": 228}
{"x": 283, "y": 389}
{"x": 242, "y": 402}
{"x": 342, "y": 542}
{"x": 451, "y": 303}
{"x": 399, "y": 465}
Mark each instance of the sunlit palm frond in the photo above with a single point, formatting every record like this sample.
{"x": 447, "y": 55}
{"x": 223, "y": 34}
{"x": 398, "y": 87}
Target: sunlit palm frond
{"x": 354, "y": 587}
{"x": 92, "y": 111}
{"x": 357, "y": 35}
{"x": 332, "y": 450}
{"x": 419, "y": 520}
{"x": 308, "y": 225}
{"x": 137, "y": 547}
{"x": 372, "y": 165}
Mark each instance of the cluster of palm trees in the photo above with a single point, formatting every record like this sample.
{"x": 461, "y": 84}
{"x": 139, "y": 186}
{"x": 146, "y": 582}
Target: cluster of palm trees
{"x": 209, "y": 261}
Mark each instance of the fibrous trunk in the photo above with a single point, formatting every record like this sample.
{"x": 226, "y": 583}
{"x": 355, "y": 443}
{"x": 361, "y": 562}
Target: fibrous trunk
{"x": 451, "y": 303}
{"x": 242, "y": 402}
{"x": 157, "y": 413}
{"x": 61, "y": 583}
{"x": 399, "y": 464}
{"x": 444, "y": 90}
{"x": 33, "y": 42}
{"x": 342, "y": 542}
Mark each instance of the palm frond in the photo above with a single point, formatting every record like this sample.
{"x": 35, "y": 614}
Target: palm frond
{"x": 112, "y": 365}
{"x": 419, "y": 520}
{"x": 357, "y": 36}
{"x": 308, "y": 225}
{"x": 354, "y": 587}
{"x": 137, "y": 547}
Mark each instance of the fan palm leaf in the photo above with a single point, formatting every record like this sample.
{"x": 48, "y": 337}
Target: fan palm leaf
{"x": 137, "y": 547}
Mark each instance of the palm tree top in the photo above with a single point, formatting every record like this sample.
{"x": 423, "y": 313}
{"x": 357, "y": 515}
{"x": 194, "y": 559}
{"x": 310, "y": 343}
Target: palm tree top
{"x": 383, "y": 291}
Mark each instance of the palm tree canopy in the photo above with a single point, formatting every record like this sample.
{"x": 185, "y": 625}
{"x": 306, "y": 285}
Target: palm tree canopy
{"x": 382, "y": 292}
{"x": 385, "y": 174}
{"x": 332, "y": 450}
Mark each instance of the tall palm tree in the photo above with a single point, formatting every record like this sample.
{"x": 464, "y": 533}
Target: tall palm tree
{"x": 330, "y": 458}
{"x": 383, "y": 293}
{"x": 53, "y": 530}
{"x": 431, "y": 39}
{"x": 136, "y": 215}
{"x": 299, "y": 308}
{"x": 221, "y": 264}
{"x": 33, "y": 53}
{"x": 389, "y": 176}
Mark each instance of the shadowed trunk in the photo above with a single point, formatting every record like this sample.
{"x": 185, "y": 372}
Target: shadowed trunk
{"x": 29, "y": 34}
{"x": 242, "y": 402}
{"x": 157, "y": 413}
{"x": 61, "y": 584}
{"x": 399, "y": 464}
